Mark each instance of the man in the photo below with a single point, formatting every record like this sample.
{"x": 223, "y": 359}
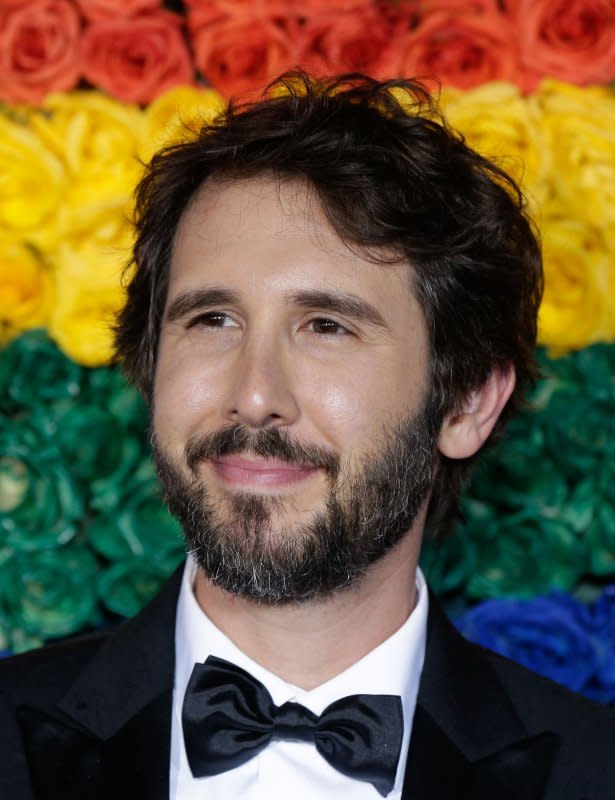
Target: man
{"x": 333, "y": 309}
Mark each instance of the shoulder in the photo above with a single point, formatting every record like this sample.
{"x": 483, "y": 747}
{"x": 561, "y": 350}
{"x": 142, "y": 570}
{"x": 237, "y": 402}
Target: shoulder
{"x": 491, "y": 706}
{"x": 46, "y": 673}
{"x": 539, "y": 700}
{"x": 586, "y": 730}
{"x": 485, "y": 677}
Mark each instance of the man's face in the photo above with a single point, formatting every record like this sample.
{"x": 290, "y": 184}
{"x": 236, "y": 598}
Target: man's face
{"x": 289, "y": 419}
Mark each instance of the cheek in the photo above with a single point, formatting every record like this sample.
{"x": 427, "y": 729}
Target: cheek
{"x": 184, "y": 393}
{"x": 349, "y": 406}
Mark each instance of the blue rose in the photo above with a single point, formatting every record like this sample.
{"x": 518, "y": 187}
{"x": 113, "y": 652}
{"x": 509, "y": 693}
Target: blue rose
{"x": 546, "y": 635}
{"x": 600, "y": 624}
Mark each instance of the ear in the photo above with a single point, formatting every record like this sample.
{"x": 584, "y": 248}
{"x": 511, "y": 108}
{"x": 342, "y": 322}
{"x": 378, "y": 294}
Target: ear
{"x": 464, "y": 432}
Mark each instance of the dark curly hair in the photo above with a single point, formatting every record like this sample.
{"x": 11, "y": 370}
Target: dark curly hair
{"x": 395, "y": 182}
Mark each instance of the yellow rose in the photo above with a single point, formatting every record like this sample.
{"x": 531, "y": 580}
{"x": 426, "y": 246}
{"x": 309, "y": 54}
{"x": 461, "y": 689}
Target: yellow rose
{"x": 447, "y": 95}
{"x": 26, "y": 289}
{"x": 89, "y": 294}
{"x": 608, "y": 232}
{"x": 98, "y": 140}
{"x": 33, "y": 181}
{"x": 577, "y": 306}
{"x": 579, "y": 127}
{"x": 177, "y": 115}
{"x": 498, "y": 122}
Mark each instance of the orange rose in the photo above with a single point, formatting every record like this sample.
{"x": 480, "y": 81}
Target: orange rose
{"x": 360, "y": 38}
{"x": 38, "y": 50}
{"x": 573, "y": 40}
{"x": 103, "y": 9}
{"x": 460, "y": 49}
{"x": 138, "y": 58}
{"x": 240, "y": 47}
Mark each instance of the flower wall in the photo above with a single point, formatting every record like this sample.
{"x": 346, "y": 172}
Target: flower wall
{"x": 90, "y": 89}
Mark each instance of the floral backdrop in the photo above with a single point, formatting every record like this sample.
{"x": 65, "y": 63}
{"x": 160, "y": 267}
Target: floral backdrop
{"x": 90, "y": 89}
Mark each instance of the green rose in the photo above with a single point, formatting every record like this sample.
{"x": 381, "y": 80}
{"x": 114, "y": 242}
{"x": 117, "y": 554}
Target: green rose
{"x": 552, "y": 473}
{"x": 558, "y": 374}
{"x": 596, "y": 497}
{"x": 595, "y": 368}
{"x": 590, "y": 371}
{"x": 40, "y": 502}
{"x": 109, "y": 493}
{"x": 521, "y": 555}
{"x": 49, "y": 593}
{"x": 577, "y": 410}
{"x": 5, "y": 633}
{"x": 21, "y": 641}
{"x": 449, "y": 563}
{"x": 142, "y": 527}
{"x": 518, "y": 475}
{"x": 578, "y": 429}
{"x": 33, "y": 371}
{"x": 108, "y": 389}
{"x": 94, "y": 443}
{"x": 125, "y": 587}
{"x": 127, "y": 463}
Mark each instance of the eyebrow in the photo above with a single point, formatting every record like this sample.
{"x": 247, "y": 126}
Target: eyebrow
{"x": 347, "y": 304}
{"x": 189, "y": 302}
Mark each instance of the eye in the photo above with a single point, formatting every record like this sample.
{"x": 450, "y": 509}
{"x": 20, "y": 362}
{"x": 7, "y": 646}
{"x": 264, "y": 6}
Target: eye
{"x": 328, "y": 327}
{"x": 213, "y": 319}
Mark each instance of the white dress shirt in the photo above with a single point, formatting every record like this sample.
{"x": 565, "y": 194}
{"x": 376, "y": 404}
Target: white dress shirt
{"x": 292, "y": 769}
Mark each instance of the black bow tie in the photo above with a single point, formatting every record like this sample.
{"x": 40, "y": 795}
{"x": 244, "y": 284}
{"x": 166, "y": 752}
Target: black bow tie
{"x": 228, "y": 717}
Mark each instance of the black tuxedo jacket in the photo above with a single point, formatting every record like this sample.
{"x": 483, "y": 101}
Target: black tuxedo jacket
{"x": 90, "y": 719}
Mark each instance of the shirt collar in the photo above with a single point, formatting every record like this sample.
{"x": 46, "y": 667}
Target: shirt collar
{"x": 394, "y": 667}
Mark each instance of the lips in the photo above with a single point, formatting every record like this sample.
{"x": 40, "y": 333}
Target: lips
{"x": 259, "y": 472}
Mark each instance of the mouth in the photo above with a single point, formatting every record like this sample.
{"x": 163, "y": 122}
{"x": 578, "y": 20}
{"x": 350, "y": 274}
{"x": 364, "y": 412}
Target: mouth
{"x": 259, "y": 472}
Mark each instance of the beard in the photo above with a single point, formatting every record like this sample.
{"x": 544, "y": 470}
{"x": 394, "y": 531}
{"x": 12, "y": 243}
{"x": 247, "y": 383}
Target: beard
{"x": 367, "y": 511}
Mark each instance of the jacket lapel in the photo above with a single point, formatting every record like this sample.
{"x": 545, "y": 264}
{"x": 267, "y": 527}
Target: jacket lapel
{"x": 109, "y": 736}
{"x": 467, "y": 740}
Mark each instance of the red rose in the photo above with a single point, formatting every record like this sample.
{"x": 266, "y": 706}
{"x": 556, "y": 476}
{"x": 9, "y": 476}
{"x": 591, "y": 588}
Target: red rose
{"x": 312, "y": 8}
{"x": 137, "y": 58}
{"x": 572, "y": 40}
{"x": 209, "y": 12}
{"x": 462, "y": 50}
{"x": 240, "y": 47}
{"x": 359, "y": 39}
{"x": 38, "y": 50}
{"x": 103, "y": 9}
{"x": 463, "y": 6}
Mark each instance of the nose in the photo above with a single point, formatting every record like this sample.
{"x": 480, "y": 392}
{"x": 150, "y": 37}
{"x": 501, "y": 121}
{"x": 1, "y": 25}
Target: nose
{"x": 261, "y": 392}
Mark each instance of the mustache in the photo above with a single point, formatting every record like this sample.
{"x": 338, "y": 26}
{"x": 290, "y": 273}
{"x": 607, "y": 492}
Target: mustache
{"x": 266, "y": 443}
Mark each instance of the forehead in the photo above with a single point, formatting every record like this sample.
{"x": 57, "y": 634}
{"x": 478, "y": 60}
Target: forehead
{"x": 240, "y": 208}
{"x": 265, "y": 233}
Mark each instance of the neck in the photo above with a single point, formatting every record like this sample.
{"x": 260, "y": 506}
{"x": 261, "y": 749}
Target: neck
{"x": 308, "y": 644}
